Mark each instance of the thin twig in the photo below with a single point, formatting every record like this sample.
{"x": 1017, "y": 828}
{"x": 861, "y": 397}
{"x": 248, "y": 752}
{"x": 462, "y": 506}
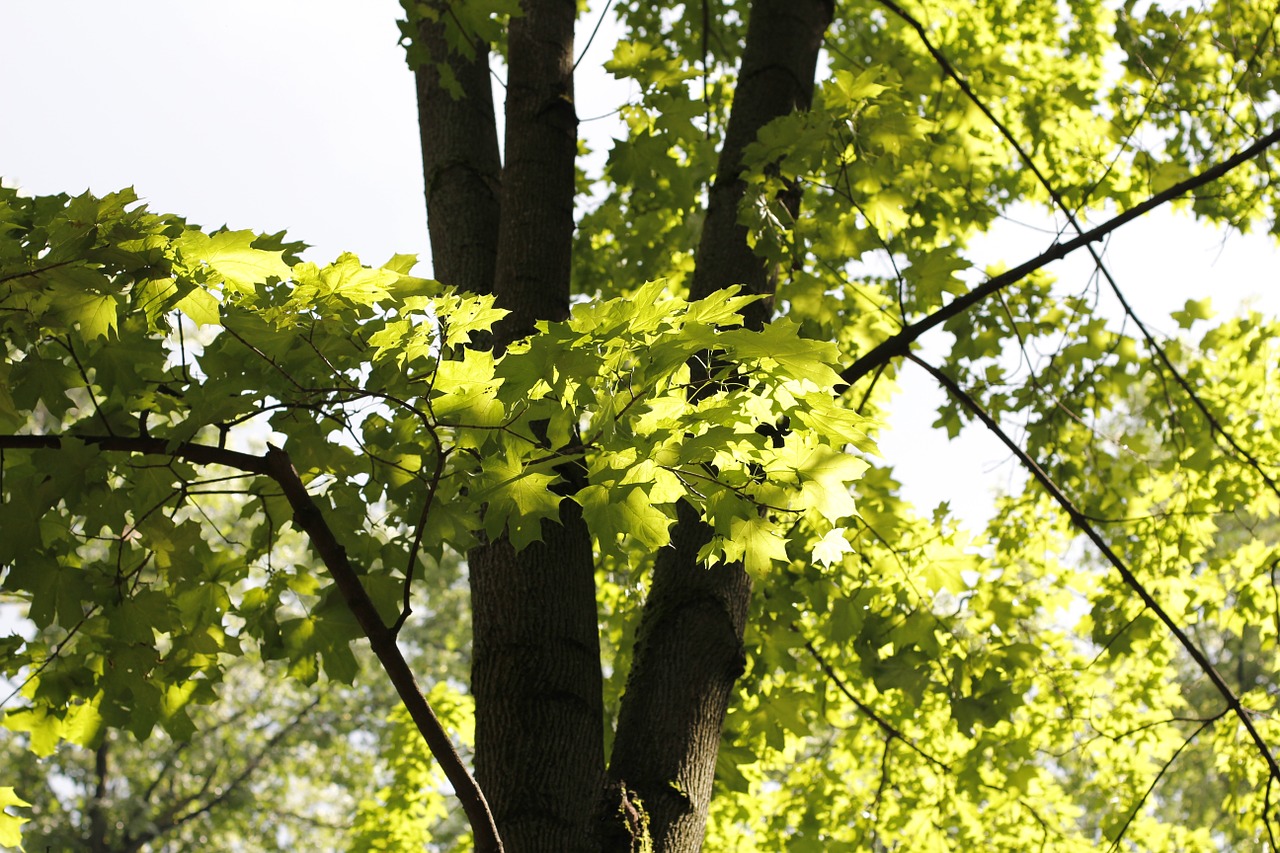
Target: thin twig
{"x": 900, "y": 344}
{"x": 1126, "y": 574}
{"x": 277, "y": 465}
{"x": 1215, "y": 424}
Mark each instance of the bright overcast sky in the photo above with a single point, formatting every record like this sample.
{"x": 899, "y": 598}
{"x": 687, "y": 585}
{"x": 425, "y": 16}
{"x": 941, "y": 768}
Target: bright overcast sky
{"x": 285, "y": 114}
{"x": 262, "y": 115}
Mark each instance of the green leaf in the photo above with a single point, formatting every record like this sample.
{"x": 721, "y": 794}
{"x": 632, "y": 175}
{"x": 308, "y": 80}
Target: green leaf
{"x": 11, "y": 825}
{"x": 757, "y": 543}
{"x": 402, "y": 264}
{"x": 201, "y": 307}
{"x": 36, "y": 379}
{"x": 467, "y": 316}
{"x": 344, "y": 279}
{"x": 859, "y": 87}
{"x": 722, "y": 308}
{"x": 43, "y": 726}
{"x": 825, "y": 476}
{"x": 95, "y": 313}
{"x": 780, "y": 342}
{"x": 518, "y": 498}
{"x": 649, "y": 64}
{"x": 614, "y": 512}
{"x": 1195, "y": 309}
{"x": 83, "y": 724}
{"x": 831, "y": 548}
{"x": 230, "y": 257}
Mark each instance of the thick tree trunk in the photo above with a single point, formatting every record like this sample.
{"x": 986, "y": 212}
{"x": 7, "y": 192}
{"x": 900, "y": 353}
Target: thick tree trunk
{"x": 688, "y": 655}
{"x": 535, "y": 238}
{"x": 537, "y": 682}
{"x": 536, "y": 652}
{"x": 461, "y": 168}
{"x": 689, "y": 644}
{"x": 536, "y": 665}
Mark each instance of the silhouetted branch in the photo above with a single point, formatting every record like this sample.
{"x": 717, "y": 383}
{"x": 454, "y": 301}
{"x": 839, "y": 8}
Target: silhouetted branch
{"x": 1082, "y": 523}
{"x": 900, "y": 344}
{"x": 1215, "y": 424}
{"x": 276, "y": 464}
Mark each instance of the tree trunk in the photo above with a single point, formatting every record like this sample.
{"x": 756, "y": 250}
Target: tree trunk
{"x": 98, "y": 828}
{"x": 536, "y": 660}
{"x": 688, "y": 655}
{"x": 536, "y": 671}
{"x": 689, "y": 647}
{"x": 535, "y": 237}
{"x": 536, "y": 679}
{"x": 776, "y": 78}
{"x": 461, "y": 168}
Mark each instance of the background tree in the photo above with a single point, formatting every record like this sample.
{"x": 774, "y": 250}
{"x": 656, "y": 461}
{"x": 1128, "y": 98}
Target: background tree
{"x": 833, "y": 676}
{"x": 233, "y": 784}
{"x": 244, "y": 776}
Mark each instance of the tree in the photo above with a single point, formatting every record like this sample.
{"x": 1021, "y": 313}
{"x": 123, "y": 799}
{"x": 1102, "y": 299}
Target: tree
{"x": 242, "y": 779}
{"x": 642, "y": 424}
{"x": 124, "y": 796}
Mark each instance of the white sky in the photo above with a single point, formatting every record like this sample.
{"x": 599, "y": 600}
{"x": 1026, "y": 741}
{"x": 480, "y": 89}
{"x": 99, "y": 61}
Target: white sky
{"x": 299, "y": 115}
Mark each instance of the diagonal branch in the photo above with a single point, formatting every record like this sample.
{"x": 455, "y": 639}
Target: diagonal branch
{"x": 1164, "y": 768}
{"x": 1083, "y": 524}
{"x": 1215, "y": 424}
{"x": 174, "y": 818}
{"x": 900, "y": 344}
{"x": 276, "y": 464}
{"x": 890, "y": 731}
{"x": 383, "y": 642}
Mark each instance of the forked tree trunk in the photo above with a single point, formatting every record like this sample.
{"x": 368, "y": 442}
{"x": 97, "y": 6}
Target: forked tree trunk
{"x": 536, "y": 659}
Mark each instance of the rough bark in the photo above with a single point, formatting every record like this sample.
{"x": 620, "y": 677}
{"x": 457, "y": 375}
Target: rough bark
{"x": 536, "y": 655}
{"x": 688, "y": 655}
{"x": 689, "y": 647}
{"x": 535, "y": 237}
{"x": 461, "y": 168}
{"x": 536, "y": 673}
{"x": 776, "y": 78}
{"x": 537, "y": 683}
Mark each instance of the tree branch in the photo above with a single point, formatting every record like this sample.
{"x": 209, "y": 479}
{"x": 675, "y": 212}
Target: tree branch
{"x": 1126, "y": 574}
{"x": 172, "y": 820}
{"x": 203, "y": 454}
{"x": 277, "y": 465}
{"x": 890, "y": 731}
{"x": 900, "y": 344}
{"x": 383, "y": 642}
{"x": 688, "y": 649}
{"x": 1215, "y": 424}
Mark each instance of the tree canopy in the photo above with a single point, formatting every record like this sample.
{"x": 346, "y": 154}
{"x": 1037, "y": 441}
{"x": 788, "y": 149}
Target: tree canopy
{"x": 639, "y": 409}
